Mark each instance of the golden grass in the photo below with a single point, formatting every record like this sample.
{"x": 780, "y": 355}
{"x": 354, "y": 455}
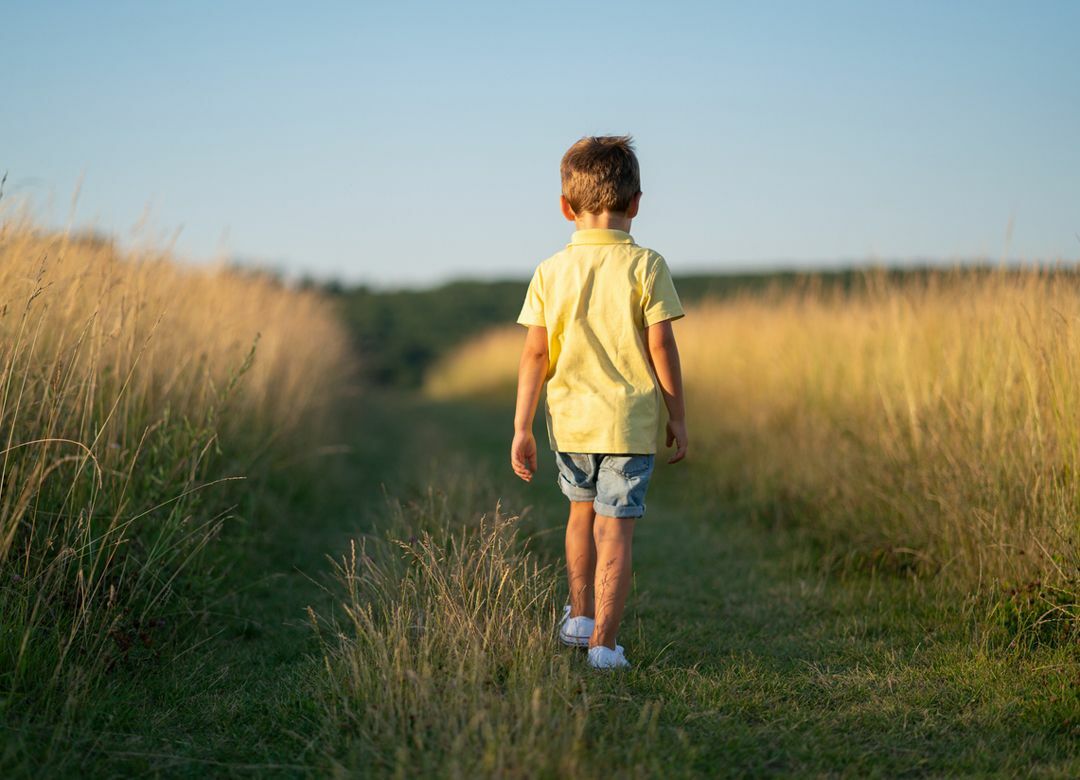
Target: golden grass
{"x": 480, "y": 366}
{"x": 166, "y": 332}
{"x": 445, "y": 663}
{"x": 122, "y": 376}
{"x": 930, "y": 425}
{"x": 933, "y": 423}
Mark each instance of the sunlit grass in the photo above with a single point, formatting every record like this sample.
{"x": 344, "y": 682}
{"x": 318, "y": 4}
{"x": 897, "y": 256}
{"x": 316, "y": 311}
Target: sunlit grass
{"x": 480, "y": 366}
{"x": 444, "y": 660}
{"x": 131, "y": 387}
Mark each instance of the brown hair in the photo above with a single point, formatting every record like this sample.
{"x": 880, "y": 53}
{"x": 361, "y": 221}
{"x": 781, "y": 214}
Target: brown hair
{"x": 600, "y": 173}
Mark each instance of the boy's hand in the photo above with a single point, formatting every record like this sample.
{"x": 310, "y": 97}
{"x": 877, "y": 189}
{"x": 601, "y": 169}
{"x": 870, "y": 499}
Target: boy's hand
{"x": 523, "y": 455}
{"x": 676, "y": 434}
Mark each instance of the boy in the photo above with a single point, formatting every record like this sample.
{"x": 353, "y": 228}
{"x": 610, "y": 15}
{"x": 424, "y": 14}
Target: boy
{"x": 599, "y": 316}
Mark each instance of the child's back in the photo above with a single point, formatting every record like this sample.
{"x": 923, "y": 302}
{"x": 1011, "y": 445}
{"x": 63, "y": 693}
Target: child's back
{"x": 595, "y": 298}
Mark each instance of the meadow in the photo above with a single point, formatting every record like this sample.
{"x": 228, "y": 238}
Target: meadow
{"x": 241, "y": 540}
{"x": 136, "y": 396}
{"x": 927, "y": 426}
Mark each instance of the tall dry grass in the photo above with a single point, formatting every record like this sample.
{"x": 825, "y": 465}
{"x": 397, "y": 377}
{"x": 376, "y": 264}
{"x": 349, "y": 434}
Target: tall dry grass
{"x": 130, "y": 387}
{"x": 444, "y": 663}
{"x": 929, "y": 425}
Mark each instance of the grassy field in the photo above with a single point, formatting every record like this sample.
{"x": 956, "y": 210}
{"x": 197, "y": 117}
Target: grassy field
{"x": 749, "y": 657}
{"x": 141, "y": 403}
{"x": 822, "y": 590}
{"x": 925, "y": 425}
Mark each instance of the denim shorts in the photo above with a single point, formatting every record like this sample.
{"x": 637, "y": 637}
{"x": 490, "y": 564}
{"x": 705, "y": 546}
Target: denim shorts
{"x": 616, "y": 484}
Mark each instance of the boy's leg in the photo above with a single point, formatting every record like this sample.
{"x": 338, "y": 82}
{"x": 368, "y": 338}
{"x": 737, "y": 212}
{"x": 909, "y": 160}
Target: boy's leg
{"x": 614, "y": 537}
{"x": 581, "y": 558}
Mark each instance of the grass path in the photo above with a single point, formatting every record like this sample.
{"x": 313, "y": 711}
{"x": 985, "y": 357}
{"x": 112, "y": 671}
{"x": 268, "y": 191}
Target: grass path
{"x": 745, "y": 660}
{"x": 759, "y": 665}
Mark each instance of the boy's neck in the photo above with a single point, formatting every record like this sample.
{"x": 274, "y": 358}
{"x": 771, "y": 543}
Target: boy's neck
{"x": 606, "y": 220}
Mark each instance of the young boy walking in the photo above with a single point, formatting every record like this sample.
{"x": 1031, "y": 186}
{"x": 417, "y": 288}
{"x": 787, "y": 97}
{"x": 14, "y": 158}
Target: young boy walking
{"x": 599, "y": 316}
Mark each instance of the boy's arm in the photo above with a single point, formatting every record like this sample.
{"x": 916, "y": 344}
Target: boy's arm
{"x": 532, "y": 370}
{"x": 664, "y": 354}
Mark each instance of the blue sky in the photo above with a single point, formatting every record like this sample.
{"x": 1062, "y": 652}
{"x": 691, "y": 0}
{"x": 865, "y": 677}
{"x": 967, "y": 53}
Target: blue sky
{"x": 408, "y": 143}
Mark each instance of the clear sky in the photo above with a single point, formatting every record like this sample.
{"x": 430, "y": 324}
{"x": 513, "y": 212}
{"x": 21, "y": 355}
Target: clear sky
{"x": 403, "y": 142}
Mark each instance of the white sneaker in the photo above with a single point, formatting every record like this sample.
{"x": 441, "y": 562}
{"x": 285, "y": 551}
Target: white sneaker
{"x": 575, "y": 631}
{"x": 601, "y": 657}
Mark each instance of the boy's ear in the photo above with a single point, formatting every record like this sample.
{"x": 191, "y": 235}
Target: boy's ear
{"x": 631, "y": 212}
{"x": 567, "y": 210}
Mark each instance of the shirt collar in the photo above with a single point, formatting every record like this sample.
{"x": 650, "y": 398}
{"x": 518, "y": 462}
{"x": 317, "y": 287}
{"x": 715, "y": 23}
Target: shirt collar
{"x": 601, "y": 236}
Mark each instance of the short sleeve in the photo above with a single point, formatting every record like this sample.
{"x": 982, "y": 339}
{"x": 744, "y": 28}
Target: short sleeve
{"x": 532, "y": 311}
{"x": 659, "y": 301}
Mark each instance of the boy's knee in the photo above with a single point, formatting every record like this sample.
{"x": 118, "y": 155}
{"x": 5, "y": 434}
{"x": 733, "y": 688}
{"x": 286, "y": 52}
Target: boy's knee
{"x": 613, "y": 528}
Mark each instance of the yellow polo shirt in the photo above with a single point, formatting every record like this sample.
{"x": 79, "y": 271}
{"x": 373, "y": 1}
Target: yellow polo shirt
{"x": 596, "y": 297}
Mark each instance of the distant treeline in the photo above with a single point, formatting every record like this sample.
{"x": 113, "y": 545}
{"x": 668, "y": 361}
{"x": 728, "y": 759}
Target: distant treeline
{"x": 401, "y": 333}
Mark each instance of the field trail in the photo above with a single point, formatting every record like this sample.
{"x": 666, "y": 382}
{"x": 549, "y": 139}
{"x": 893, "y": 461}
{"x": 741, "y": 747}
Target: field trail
{"x": 747, "y": 660}
{"x": 761, "y": 662}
